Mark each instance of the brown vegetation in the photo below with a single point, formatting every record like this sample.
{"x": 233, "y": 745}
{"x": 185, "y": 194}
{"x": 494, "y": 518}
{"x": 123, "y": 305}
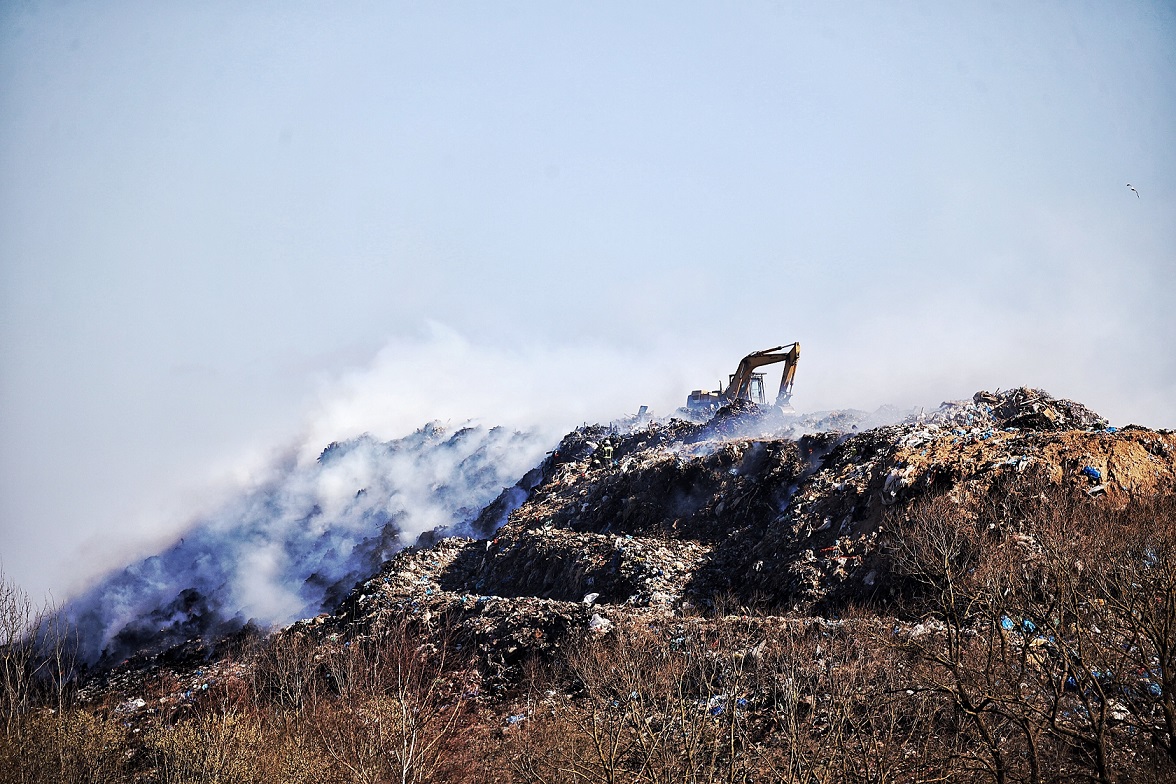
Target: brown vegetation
{"x": 1032, "y": 640}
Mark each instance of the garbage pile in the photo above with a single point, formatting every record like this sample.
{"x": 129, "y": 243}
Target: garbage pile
{"x": 670, "y": 518}
{"x": 427, "y": 587}
{"x": 561, "y": 564}
{"x": 1023, "y": 408}
{"x": 148, "y": 688}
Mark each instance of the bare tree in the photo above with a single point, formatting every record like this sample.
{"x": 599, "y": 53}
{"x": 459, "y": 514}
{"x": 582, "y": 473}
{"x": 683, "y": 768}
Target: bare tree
{"x": 20, "y": 626}
{"x": 1050, "y": 622}
{"x": 401, "y": 707}
{"x": 45, "y": 738}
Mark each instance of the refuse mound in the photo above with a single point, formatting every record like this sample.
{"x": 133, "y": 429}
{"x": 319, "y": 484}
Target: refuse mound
{"x": 734, "y": 417}
{"x": 1023, "y": 408}
{"x": 754, "y": 585}
{"x": 665, "y": 518}
{"x": 428, "y": 588}
{"x": 682, "y": 517}
{"x": 551, "y": 563}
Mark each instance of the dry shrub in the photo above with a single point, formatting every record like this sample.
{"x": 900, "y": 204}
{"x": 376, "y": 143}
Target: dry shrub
{"x": 649, "y": 707}
{"x": 393, "y": 707}
{"x": 734, "y": 699}
{"x": 75, "y": 746}
{"x": 402, "y": 709}
{"x": 44, "y": 739}
{"x": 1052, "y": 632}
{"x": 284, "y": 671}
{"x": 228, "y": 736}
{"x": 210, "y": 748}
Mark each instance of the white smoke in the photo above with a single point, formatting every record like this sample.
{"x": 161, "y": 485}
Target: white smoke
{"x": 294, "y": 532}
{"x": 292, "y": 546}
{"x": 443, "y": 375}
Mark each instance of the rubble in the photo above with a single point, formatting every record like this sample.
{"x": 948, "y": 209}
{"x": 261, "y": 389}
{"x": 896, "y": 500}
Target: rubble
{"x": 1024, "y": 408}
{"x": 683, "y": 517}
{"x": 755, "y": 538}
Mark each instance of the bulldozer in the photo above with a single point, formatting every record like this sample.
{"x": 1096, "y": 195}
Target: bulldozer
{"x": 746, "y": 384}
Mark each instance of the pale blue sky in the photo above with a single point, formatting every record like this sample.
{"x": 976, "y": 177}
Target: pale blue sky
{"x": 229, "y": 227}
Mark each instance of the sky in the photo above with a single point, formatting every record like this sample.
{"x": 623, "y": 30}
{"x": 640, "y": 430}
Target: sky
{"x": 235, "y": 231}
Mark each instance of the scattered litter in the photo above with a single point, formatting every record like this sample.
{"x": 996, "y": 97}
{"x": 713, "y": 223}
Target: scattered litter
{"x": 599, "y": 624}
{"x": 796, "y": 517}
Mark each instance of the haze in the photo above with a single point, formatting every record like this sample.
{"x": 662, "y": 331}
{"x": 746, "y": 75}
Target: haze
{"x": 233, "y": 230}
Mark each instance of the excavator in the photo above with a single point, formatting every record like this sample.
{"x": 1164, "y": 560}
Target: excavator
{"x": 746, "y": 384}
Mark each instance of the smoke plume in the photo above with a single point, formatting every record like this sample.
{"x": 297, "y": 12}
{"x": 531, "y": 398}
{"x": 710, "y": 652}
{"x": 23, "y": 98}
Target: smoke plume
{"x": 291, "y": 546}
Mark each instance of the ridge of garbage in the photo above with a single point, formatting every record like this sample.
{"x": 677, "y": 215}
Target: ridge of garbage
{"x": 753, "y": 508}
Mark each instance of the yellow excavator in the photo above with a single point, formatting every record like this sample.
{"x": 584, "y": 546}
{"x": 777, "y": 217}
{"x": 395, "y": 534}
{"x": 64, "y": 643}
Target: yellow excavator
{"x": 746, "y": 384}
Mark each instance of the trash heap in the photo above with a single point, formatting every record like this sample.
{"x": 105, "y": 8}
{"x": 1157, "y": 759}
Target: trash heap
{"x": 669, "y": 519}
{"x": 1023, "y": 408}
{"x": 672, "y": 518}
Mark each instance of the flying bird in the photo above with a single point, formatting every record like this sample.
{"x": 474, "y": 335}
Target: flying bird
{"x": 1136, "y": 192}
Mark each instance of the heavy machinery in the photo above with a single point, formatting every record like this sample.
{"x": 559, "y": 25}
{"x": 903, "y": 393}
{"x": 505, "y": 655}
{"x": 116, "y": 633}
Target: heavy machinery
{"x": 746, "y": 384}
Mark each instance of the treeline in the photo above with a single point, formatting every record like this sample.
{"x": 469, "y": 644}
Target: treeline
{"x": 1031, "y": 641}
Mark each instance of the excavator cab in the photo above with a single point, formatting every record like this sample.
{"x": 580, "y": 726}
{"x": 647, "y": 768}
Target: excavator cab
{"x": 755, "y": 388}
{"x": 748, "y": 384}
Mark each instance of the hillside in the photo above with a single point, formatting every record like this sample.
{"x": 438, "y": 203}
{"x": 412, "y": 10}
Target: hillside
{"x": 986, "y": 591}
{"x": 690, "y": 514}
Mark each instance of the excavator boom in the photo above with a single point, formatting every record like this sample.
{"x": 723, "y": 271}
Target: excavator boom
{"x": 744, "y": 377}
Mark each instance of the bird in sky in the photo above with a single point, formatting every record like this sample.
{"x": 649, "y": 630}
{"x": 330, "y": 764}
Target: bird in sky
{"x": 1135, "y": 191}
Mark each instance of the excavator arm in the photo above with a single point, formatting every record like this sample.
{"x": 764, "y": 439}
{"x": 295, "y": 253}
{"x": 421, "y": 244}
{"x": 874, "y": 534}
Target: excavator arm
{"x": 739, "y": 388}
{"x": 784, "y": 396}
{"x": 740, "y": 385}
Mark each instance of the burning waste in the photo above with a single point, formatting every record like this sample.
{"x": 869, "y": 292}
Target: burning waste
{"x": 295, "y": 546}
{"x": 976, "y": 592}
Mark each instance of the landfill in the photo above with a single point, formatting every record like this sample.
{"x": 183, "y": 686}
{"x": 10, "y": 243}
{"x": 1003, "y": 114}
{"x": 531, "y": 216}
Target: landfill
{"x": 980, "y": 592}
{"x": 685, "y": 514}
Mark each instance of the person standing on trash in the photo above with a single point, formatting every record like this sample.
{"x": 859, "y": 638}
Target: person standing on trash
{"x": 606, "y": 452}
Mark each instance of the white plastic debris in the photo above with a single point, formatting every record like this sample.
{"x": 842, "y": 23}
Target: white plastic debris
{"x": 599, "y": 624}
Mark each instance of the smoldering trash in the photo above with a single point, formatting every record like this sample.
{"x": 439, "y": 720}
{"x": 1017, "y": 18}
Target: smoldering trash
{"x": 766, "y": 558}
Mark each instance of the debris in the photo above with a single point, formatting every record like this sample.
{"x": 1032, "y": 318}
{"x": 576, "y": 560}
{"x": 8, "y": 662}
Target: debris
{"x": 751, "y": 507}
{"x": 599, "y": 624}
{"x": 1022, "y": 408}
